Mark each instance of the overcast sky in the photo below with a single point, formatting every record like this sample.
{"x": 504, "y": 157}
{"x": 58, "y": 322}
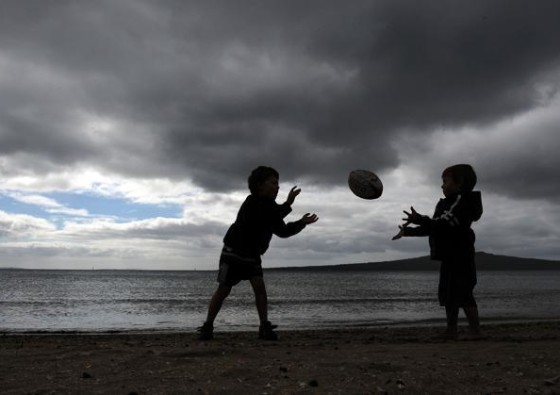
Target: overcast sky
{"x": 128, "y": 128}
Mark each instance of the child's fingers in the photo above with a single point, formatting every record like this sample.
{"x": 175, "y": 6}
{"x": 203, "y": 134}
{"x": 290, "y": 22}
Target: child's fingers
{"x": 310, "y": 218}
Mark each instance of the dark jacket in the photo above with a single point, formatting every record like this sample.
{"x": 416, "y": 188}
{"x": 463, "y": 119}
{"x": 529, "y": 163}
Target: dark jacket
{"x": 258, "y": 219}
{"x": 449, "y": 229}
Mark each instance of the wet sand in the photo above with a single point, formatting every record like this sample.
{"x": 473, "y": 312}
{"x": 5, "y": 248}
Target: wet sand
{"x": 510, "y": 358}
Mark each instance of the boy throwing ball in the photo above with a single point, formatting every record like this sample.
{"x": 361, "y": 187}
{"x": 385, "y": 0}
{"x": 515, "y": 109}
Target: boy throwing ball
{"x": 452, "y": 242}
{"x": 247, "y": 240}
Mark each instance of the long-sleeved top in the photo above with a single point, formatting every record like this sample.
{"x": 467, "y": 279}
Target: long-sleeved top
{"x": 449, "y": 229}
{"x": 257, "y": 220}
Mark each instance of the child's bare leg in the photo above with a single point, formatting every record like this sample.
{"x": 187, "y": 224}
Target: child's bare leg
{"x": 452, "y": 315}
{"x": 261, "y": 298}
{"x": 216, "y": 302}
{"x": 266, "y": 329}
{"x": 472, "y": 316}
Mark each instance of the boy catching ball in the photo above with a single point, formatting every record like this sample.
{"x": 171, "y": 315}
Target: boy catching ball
{"x": 452, "y": 242}
{"x": 247, "y": 240}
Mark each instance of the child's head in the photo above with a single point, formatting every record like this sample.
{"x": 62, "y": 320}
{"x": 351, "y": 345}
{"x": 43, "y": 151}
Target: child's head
{"x": 263, "y": 181}
{"x": 458, "y": 178}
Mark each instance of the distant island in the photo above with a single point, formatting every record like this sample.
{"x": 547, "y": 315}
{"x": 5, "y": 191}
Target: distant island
{"x": 484, "y": 261}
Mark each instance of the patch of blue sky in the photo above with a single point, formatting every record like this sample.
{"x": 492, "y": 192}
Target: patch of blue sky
{"x": 120, "y": 209}
{"x": 13, "y": 206}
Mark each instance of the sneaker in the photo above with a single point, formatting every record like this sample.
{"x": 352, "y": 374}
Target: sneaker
{"x": 266, "y": 331}
{"x": 206, "y": 331}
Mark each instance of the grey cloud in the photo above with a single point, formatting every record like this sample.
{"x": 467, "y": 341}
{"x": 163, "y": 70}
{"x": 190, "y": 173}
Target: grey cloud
{"x": 215, "y": 88}
{"x": 17, "y": 226}
{"x": 526, "y": 168}
{"x": 156, "y": 229}
{"x": 517, "y": 158}
{"x": 416, "y": 67}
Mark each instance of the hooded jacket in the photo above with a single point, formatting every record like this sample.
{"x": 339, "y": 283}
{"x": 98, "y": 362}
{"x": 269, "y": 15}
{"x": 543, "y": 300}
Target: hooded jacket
{"x": 449, "y": 229}
{"x": 257, "y": 220}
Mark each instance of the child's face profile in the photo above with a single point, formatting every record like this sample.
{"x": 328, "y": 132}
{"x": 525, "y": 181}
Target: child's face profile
{"x": 269, "y": 188}
{"x": 449, "y": 186}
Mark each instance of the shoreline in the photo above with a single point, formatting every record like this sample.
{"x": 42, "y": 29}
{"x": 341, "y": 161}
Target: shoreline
{"x": 436, "y": 322}
{"x": 508, "y": 358}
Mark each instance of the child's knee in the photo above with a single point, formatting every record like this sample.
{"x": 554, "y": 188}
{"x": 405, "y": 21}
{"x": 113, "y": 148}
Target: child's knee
{"x": 223, "y": 291}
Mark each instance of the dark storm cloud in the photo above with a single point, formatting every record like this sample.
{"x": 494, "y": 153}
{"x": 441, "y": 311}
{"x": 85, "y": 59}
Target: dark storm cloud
{"x": 215, "y": 88}
{"x": 526, "y": 165}
{"x": 413, "y": 66}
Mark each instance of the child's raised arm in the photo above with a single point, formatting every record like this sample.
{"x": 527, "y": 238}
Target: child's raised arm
{"x": 294, "y": 192}
{"x": 412, "y": 217}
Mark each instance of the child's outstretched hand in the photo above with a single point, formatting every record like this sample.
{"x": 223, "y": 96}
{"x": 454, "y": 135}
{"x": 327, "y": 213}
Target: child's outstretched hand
{"x": 400, "y": 234}
{"x": 292, "y": 195}
{"x": 309, "y": 218}
{"x": 411, "y": 218}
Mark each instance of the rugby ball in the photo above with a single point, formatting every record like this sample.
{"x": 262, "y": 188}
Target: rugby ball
{"x": 365, "y": 184}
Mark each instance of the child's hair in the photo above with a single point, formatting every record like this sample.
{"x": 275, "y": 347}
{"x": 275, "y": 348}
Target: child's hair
{"x": 259, "y": 176}
{"x": 463, "y": 175}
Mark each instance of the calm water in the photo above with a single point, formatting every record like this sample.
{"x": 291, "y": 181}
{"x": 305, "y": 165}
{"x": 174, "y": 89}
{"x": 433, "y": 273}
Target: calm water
{"x": 146, "y": 300}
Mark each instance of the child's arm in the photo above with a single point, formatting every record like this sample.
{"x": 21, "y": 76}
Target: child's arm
{"x": 284, "y": 230}
{"x": 286, "y": 207}
{"x": 294, "y": 192}
{"x": 407, "y": 231}
{"x": 459, "y": 215}
{"x": 280, "y": 228}
{"x": 414, "y": 218}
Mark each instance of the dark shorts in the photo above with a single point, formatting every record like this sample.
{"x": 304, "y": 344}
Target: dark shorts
{"x": 235, "y": 268}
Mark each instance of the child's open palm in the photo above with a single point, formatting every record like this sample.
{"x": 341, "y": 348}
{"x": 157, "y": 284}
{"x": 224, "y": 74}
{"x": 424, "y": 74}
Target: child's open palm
{"x": 309, "y": 218}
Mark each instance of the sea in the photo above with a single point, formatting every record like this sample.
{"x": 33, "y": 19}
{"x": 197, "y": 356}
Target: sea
{"x": 107, "y": 301}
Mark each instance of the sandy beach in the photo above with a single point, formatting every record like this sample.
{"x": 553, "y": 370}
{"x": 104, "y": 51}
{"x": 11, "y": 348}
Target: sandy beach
{"x": 511, "y": 358}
